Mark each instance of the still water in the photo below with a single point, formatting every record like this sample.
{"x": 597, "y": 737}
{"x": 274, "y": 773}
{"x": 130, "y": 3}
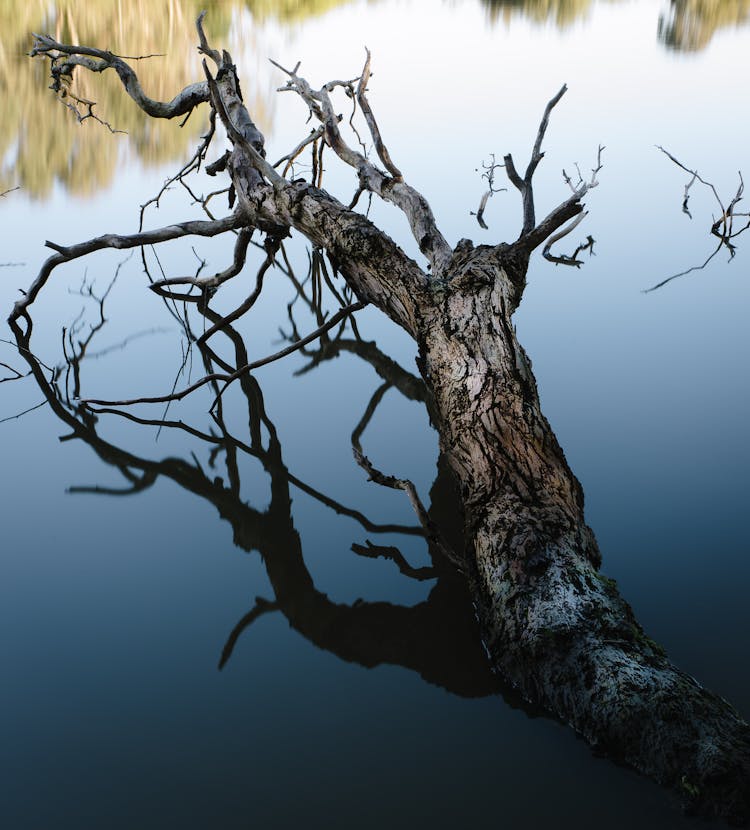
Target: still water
{"x": 189, "y": 639}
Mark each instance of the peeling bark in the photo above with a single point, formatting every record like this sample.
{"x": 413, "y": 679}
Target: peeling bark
{"x": 555, "y": 628}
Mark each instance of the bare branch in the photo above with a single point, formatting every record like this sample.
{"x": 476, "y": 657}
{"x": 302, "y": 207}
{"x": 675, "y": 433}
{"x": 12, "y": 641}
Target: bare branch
{"x": 15, "y": 376}
{"x": 25, "y": 412}
{"x": 69, "y": 253}
{"x": 694, "y": 174}
{"x": 245, "y": 134}
{"x": 372, "y": 124}
{"x": 489, "y": 175}
{"x": 72, "y": 102}
{"x": 392, "y": 189}
{"x": 723, "y": 228}
{"x": 204, "y": 48}
{"x": 293, "y": 154}
{"x": 194, "y": 163}
{"x": 524, "y": 185}
{"x": 432, "y": 532}
{"x": 568, "y": 259}
{"x": 334, "y": 321}
{"x": 341, "y": 510}
{"x": 212, "y": 283}
{"x": 273, "y": 246}
{"x": 686, "y": 271}
{"x": 565, "y": 211}
{"x": 99, "y": 60}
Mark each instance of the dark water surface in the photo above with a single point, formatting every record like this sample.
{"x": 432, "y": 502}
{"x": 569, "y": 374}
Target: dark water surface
{"x": 144, "y": 683}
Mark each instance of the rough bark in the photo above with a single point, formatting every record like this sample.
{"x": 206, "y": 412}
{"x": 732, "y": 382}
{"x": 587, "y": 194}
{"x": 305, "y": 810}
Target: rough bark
{"x": 555, "y": 627}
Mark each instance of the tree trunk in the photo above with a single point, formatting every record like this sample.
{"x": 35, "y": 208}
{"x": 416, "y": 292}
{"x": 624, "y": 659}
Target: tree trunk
{"x": 554, "y": 626}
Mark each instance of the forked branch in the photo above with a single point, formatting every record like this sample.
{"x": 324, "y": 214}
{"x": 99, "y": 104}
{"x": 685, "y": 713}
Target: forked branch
{"x": 723, "y": 227}
{"x": 390, "y": 188}
{"x": 108, "y": 241}
{"x": 532, "y": 234}
{"x": 524, "y": 184}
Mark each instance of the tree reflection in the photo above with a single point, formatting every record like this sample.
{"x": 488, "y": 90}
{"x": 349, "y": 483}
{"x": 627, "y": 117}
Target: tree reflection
{"x": 437, "y": 638}
{"x": 689, "y": 25}
{"x": 561, "y": 12}
{"x": 41, "y": 145}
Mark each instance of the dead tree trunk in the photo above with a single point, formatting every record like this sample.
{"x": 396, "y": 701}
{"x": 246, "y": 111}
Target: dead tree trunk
{"x": 555, "y": 627}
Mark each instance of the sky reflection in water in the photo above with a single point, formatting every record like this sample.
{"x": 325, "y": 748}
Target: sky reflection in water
{"x": 117, "y": 610}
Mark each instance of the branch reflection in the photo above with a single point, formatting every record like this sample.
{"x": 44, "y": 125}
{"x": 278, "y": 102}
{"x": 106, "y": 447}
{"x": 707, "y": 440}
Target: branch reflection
{"x": 437, "y": 638}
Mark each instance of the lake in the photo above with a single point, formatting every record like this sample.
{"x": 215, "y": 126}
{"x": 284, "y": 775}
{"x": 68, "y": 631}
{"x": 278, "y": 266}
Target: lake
{"x": 190, "y": 638}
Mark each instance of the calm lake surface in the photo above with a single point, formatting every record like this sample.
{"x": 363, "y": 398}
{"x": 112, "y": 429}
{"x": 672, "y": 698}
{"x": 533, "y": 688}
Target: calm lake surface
{"x": 145, "y": 684}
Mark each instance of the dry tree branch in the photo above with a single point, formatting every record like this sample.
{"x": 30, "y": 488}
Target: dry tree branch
{"x": 203, "y": 47}
{"x": 243, "y": 133}
{"x": 193, "y": 164}
{"x": 568, "y": 259}
{"x": 372, "y": 124}
{"x": 360, "y": 518}
{"x": 290, "y": 157}
{"x": 532, "y": 234}
{"x": 389, "y": 187}
{"x": 432, "y": 532}
{"x": 207, "y": 285}
{"x": 489, "y": 175}
{"x": 686, "y": 271}
{"x": 64, "y": 59}
{"x": 25, "y": 412}
{"x": 108, "y": 241}
{"x": 722, "y": 228}
{"x": 334, "y": 321}
{"x": 16, "y": 374}
{"x": 524, "y": 185}
{"x": 564, "y": 211}
{"x": 694, "y": 174}
{"x": 72, "y": 101}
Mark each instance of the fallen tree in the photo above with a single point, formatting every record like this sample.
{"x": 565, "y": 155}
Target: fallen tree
{"x": 556, "y": 629}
